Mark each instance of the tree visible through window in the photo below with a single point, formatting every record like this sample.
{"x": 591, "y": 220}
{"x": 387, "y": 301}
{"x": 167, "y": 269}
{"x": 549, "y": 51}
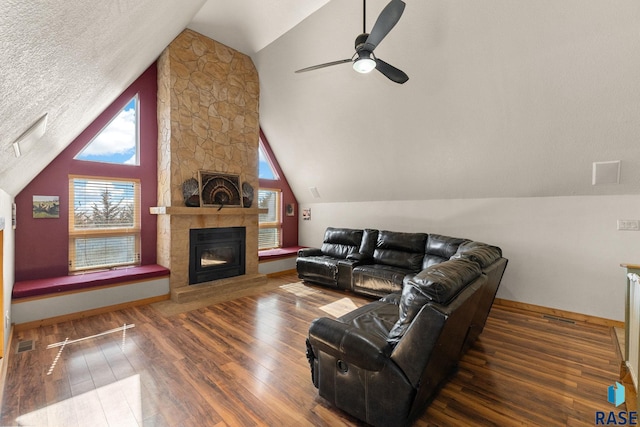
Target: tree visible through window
{"x": 104, "y": 223}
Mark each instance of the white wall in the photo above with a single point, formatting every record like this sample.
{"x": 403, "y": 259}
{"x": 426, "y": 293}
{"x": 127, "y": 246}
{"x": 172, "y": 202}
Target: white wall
{"x": 564, "y": 252}
{"x": 8, "y": 258}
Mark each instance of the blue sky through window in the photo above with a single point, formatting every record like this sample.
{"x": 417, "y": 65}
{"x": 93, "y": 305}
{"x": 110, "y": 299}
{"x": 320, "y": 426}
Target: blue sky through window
{"x": 265, "y": 171}
{"x": 117, "y": 142}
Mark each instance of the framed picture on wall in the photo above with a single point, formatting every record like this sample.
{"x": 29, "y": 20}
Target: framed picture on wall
{"x": 290, "y": 209}
{"x": 306, "y": 214}
{"x": 46, "y": 207}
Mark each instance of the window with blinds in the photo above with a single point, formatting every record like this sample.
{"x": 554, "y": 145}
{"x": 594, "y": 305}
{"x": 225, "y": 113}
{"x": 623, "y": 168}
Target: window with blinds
{"x": 104, "y": 223}
{"x": 269, "y": 219}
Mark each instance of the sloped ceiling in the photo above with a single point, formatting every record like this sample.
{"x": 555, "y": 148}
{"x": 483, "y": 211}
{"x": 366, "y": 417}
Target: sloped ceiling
{"x": 505, "y": 99}
{"x": 70, "y": 59}
{"x": 250, "y": 25}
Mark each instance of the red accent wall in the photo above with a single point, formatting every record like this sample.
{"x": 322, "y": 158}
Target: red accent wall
{"x": 289, "y": 223}
{"x": 42, "y": 245}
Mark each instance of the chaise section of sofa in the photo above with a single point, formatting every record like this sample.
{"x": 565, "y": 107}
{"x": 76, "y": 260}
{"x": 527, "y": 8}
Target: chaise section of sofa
{"x": 383, "y": 362}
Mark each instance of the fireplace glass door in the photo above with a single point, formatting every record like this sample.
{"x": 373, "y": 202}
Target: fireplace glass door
{"x": 216, "y": 253}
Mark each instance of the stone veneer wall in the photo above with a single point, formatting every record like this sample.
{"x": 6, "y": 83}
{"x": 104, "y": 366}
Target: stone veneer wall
{"x": 207, "y": 120}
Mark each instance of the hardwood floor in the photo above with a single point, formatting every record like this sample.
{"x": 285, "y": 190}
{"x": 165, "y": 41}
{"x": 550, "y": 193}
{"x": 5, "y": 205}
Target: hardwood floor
{"x": 242, "y": 363}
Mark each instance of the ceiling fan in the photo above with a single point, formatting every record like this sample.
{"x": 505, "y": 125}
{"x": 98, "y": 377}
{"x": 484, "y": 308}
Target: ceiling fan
{"x": 364, "y": 61}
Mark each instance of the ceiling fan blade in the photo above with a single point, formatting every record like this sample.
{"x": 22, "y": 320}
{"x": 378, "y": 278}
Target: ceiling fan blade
{"x": 391, "y": 72}
{"x": 387, "y": 19}
{"x": 327, "y": 64}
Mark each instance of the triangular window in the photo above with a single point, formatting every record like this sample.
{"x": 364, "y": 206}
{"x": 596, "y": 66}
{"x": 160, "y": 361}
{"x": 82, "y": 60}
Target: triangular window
{"x": 117, "y": 142}
{"x": 265, "y": 166}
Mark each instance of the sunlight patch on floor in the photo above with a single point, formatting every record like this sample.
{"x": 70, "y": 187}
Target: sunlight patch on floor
{"x": 299, "y": 289}
{"x": 66, "y": 342}
{"x": 340, "y": 307}
{"x": 116, "y": 404}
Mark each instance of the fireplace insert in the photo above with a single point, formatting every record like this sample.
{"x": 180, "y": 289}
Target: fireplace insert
{"x": 216, "y": 253}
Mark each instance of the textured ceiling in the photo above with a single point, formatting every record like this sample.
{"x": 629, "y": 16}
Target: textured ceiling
{"x": 70, "y": 60}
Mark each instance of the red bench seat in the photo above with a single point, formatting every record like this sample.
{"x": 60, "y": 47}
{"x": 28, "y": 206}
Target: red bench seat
{"x": 272, "y": 254}
{"x": 53, "y": 285}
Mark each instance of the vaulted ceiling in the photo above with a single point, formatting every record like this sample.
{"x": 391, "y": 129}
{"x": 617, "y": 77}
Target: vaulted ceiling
{"x": 505, "y": 99}
{"x": 70, "y": 60}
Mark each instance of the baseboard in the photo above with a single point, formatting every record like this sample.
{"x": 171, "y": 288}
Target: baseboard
{"x": 561, "y": 314}
{"x": 282, "y": 273}
{"x": 87, "y": 313}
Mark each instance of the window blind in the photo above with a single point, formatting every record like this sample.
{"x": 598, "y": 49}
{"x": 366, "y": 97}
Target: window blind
{"x": 104, "y": 223}
{"x": 270, "y": 226}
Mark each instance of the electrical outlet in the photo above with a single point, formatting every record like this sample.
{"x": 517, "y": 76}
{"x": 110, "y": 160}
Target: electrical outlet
{"x": 628, "y": 225}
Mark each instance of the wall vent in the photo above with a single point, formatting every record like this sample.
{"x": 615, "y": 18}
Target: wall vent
{"x": 559, "y": 319}
{"x": 24, "y": 346}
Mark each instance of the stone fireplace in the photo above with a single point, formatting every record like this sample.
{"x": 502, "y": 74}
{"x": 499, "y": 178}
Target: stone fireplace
{"x": 207, "y": 121}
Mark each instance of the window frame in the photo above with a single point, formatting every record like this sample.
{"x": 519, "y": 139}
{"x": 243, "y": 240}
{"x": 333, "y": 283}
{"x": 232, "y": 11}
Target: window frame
{"x": 135, "y": 98}
{"x": 87, "y": 233}
{"x": 267, "y": 158}
{"x": 277, "y": 224}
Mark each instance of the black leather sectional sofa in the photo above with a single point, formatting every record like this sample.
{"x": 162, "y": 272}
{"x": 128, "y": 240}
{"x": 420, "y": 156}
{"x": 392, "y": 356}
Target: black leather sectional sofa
{"x": 384, "y": 362}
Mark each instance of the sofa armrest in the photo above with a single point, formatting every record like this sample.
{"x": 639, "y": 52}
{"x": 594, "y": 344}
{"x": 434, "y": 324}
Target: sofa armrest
{"x": 345, "y": 273}
{"x": 305, "y": 252}
{"x": 348, "y": 343}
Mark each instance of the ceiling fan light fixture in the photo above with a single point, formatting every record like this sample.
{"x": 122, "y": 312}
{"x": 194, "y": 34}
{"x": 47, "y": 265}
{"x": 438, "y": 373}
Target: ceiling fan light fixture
{"x": 364, "y": 64}
{"x": 364, "y": 60}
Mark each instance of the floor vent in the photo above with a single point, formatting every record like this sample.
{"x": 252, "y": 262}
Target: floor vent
{"x": 24, "y": 346}
{"x": 559, "y": 319}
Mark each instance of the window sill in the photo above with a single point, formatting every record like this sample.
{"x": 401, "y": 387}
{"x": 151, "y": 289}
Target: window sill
{"x": 273, "y": 254}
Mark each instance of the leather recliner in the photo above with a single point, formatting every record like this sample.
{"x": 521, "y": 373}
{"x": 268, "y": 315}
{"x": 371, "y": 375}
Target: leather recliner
{"x": 383, "y": 362}
{"x": 328, "y": 265}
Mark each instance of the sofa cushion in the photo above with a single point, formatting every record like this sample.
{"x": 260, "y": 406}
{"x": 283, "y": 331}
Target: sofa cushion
{"x": 439, "y": 249}
{"x": 439, "y": 283}
{"x": 403, "y": 250}
{"x": 341, "y": 242}
{"x": 377, "y": 318}
{"x": 378, "y": 279}
{"x": 479, "y": 252}
{"x": 369, "y": 240}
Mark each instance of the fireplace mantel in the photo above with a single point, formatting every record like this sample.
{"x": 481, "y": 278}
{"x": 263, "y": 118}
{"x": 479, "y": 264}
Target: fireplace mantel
{"x": 183, "y": 210}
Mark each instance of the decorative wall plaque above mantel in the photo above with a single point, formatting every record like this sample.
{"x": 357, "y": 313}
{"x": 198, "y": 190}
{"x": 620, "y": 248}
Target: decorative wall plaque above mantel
{"x": 219, "y": 190}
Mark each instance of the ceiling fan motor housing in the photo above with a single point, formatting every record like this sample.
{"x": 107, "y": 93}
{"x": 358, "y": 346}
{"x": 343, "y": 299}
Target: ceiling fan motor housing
{"x": 360, "y": 40}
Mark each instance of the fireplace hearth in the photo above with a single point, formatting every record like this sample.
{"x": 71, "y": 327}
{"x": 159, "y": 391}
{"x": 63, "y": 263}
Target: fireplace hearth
{"x": 216, "y": 253}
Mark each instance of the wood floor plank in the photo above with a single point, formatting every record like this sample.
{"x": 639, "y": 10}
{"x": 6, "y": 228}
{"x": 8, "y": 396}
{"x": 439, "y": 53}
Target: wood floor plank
{"x": 242, "y": 363}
